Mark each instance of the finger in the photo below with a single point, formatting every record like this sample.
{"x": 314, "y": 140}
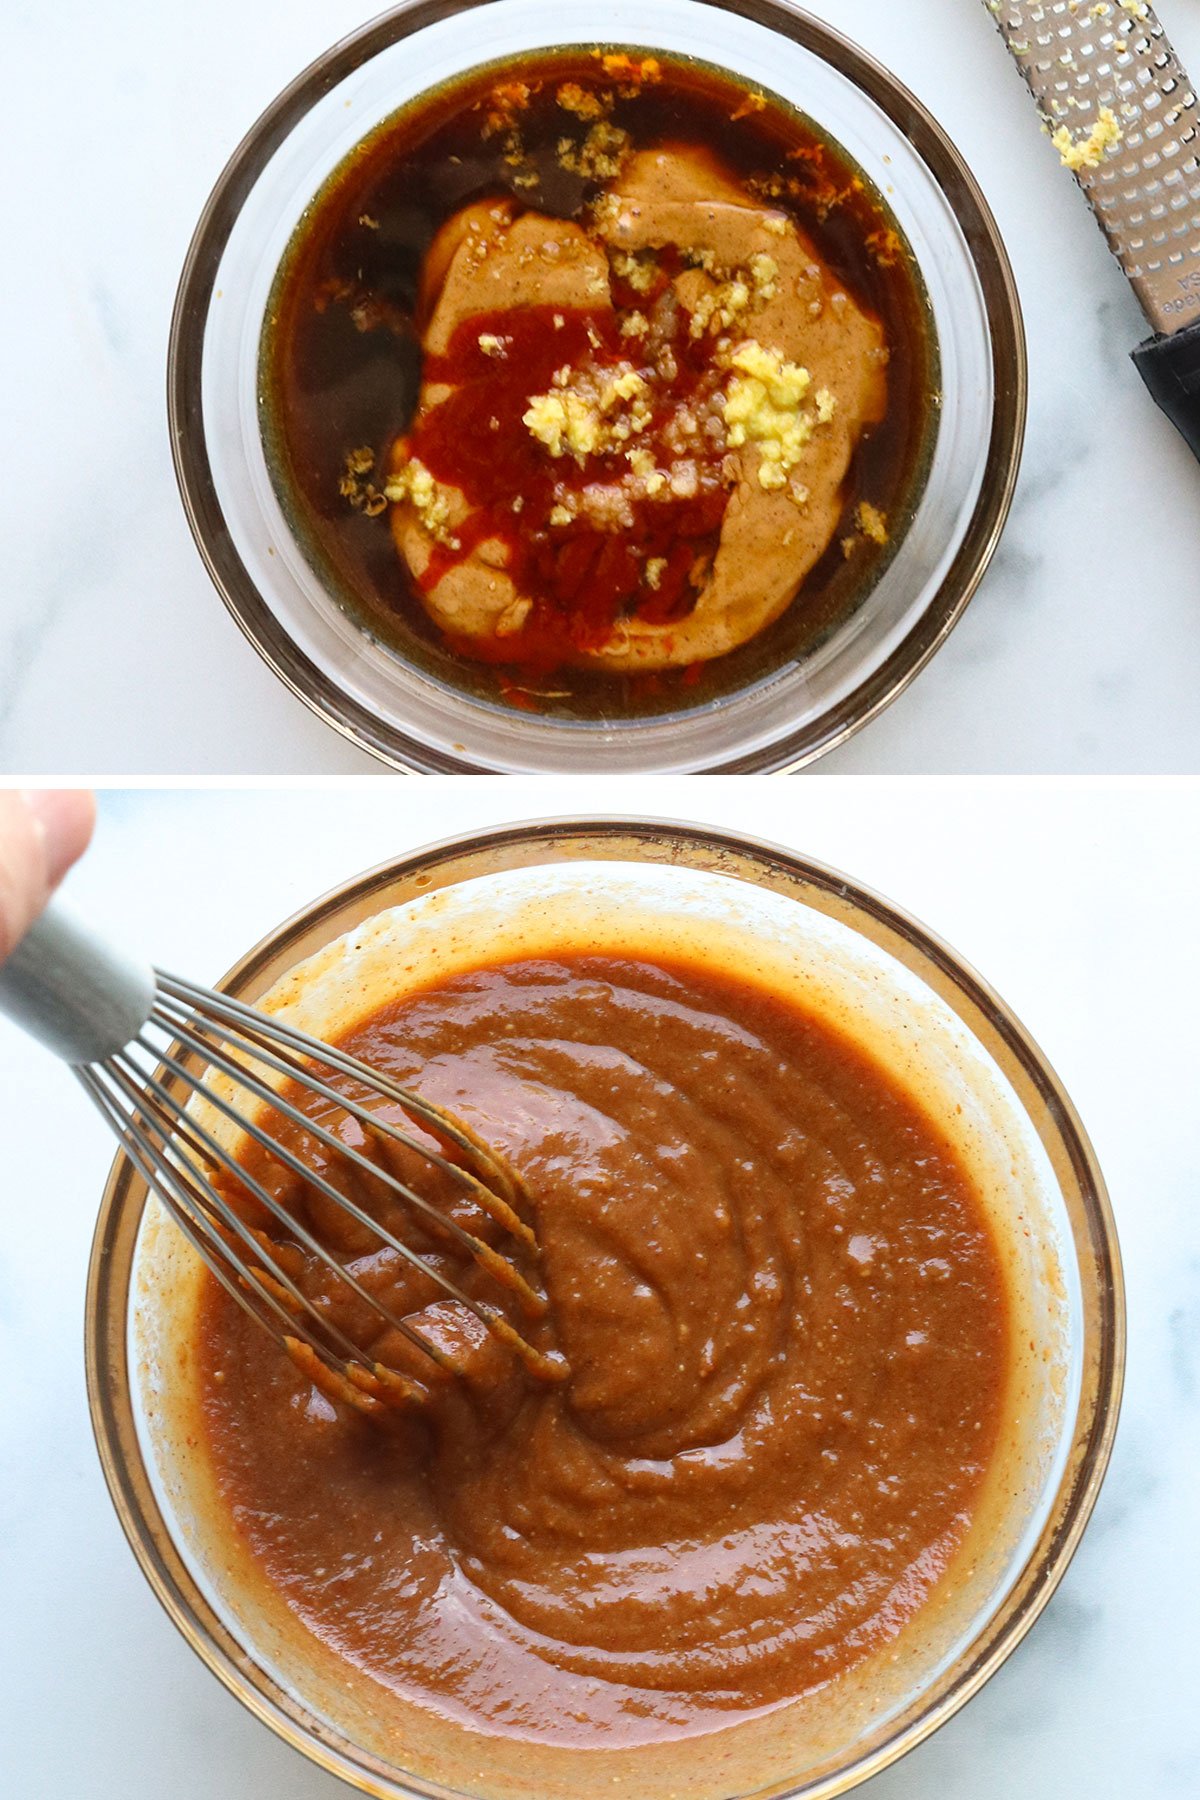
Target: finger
{"x": 42, "y": 832}
{"x": 65, "y": 819}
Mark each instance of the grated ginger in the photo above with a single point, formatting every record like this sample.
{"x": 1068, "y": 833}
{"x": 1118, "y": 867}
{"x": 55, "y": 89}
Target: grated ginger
{"x": 1089, "y": 152}
{"x": 764, "y": 406}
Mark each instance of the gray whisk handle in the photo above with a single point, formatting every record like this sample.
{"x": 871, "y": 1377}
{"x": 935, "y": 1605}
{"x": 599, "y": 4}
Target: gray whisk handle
{"x": 73, "y": 991}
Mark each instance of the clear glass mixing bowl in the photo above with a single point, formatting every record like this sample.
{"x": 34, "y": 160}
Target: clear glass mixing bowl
{"x": 405, "y": 714}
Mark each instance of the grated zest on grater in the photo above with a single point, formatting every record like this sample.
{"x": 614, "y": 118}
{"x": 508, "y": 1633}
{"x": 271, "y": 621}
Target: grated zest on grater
{"x": 1078, "y": 58}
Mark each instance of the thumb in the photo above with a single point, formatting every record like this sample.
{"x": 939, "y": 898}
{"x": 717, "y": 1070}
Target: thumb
{"x": 42, "y": 832}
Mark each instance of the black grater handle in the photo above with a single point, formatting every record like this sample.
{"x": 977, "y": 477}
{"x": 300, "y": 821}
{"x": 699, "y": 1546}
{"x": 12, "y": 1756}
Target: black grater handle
{"x": 1170, "y": 368}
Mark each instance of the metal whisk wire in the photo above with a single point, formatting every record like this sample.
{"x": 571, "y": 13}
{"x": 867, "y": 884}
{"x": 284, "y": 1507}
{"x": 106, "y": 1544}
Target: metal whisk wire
{"x": 158, "y": 1055}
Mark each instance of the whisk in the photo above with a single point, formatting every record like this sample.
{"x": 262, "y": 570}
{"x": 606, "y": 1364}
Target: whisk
{"x": 157, "y": 1054}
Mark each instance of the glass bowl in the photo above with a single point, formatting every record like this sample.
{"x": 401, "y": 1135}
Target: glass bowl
{"x": 408, "y": 715}
{"x": 624, "y": 884}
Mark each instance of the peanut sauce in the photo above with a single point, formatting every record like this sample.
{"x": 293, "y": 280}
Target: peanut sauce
{"x": 786, "y": 1327}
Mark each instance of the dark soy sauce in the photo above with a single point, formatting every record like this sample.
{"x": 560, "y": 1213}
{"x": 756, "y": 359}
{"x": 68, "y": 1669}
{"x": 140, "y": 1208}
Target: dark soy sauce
{"x": 341, "y": 360}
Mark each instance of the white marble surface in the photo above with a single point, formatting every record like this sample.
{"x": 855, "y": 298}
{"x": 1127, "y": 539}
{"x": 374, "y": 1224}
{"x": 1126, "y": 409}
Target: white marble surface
{"x": 1079, "y": 905}
{"x": 1081, "y": 652}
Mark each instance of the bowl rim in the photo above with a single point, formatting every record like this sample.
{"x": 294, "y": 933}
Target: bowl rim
{"x": 562, "y": 840}
{"x": 321, "y": 692}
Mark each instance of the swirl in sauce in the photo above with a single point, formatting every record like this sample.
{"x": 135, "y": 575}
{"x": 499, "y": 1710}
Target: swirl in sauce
{"x": 786, "y": 1323}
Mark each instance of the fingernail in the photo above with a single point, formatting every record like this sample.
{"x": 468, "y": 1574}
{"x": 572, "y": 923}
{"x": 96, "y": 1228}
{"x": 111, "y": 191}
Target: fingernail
{"x": 64, "y": 818}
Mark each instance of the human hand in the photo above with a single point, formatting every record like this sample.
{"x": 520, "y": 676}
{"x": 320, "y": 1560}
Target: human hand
{"x": 42, "y": 832}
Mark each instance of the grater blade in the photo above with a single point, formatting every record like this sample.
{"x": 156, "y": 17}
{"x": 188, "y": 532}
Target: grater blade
{"x": 1079, "y": 57}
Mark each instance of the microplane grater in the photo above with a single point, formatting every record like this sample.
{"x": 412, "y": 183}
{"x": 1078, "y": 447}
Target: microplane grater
{"x": 1078, "y": 59}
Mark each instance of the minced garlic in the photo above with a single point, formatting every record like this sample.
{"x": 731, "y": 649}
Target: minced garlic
{"x": 718, "y": 309}
{"x": 564, "y": 421}
{"x": 721, "y": 306}
{"x": 584, "y": 413}
{"x": 656, "y": 568}
{"x": 624, "y": 387}
{"x": 638, "y": 272}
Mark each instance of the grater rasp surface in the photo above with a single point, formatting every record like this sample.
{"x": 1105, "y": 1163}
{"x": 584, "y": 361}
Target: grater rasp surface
{"x": 1078, "y": 57}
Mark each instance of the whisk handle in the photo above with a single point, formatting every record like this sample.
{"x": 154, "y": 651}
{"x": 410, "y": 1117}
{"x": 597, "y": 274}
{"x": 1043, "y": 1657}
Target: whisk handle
{"x": 73, "y": 991}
